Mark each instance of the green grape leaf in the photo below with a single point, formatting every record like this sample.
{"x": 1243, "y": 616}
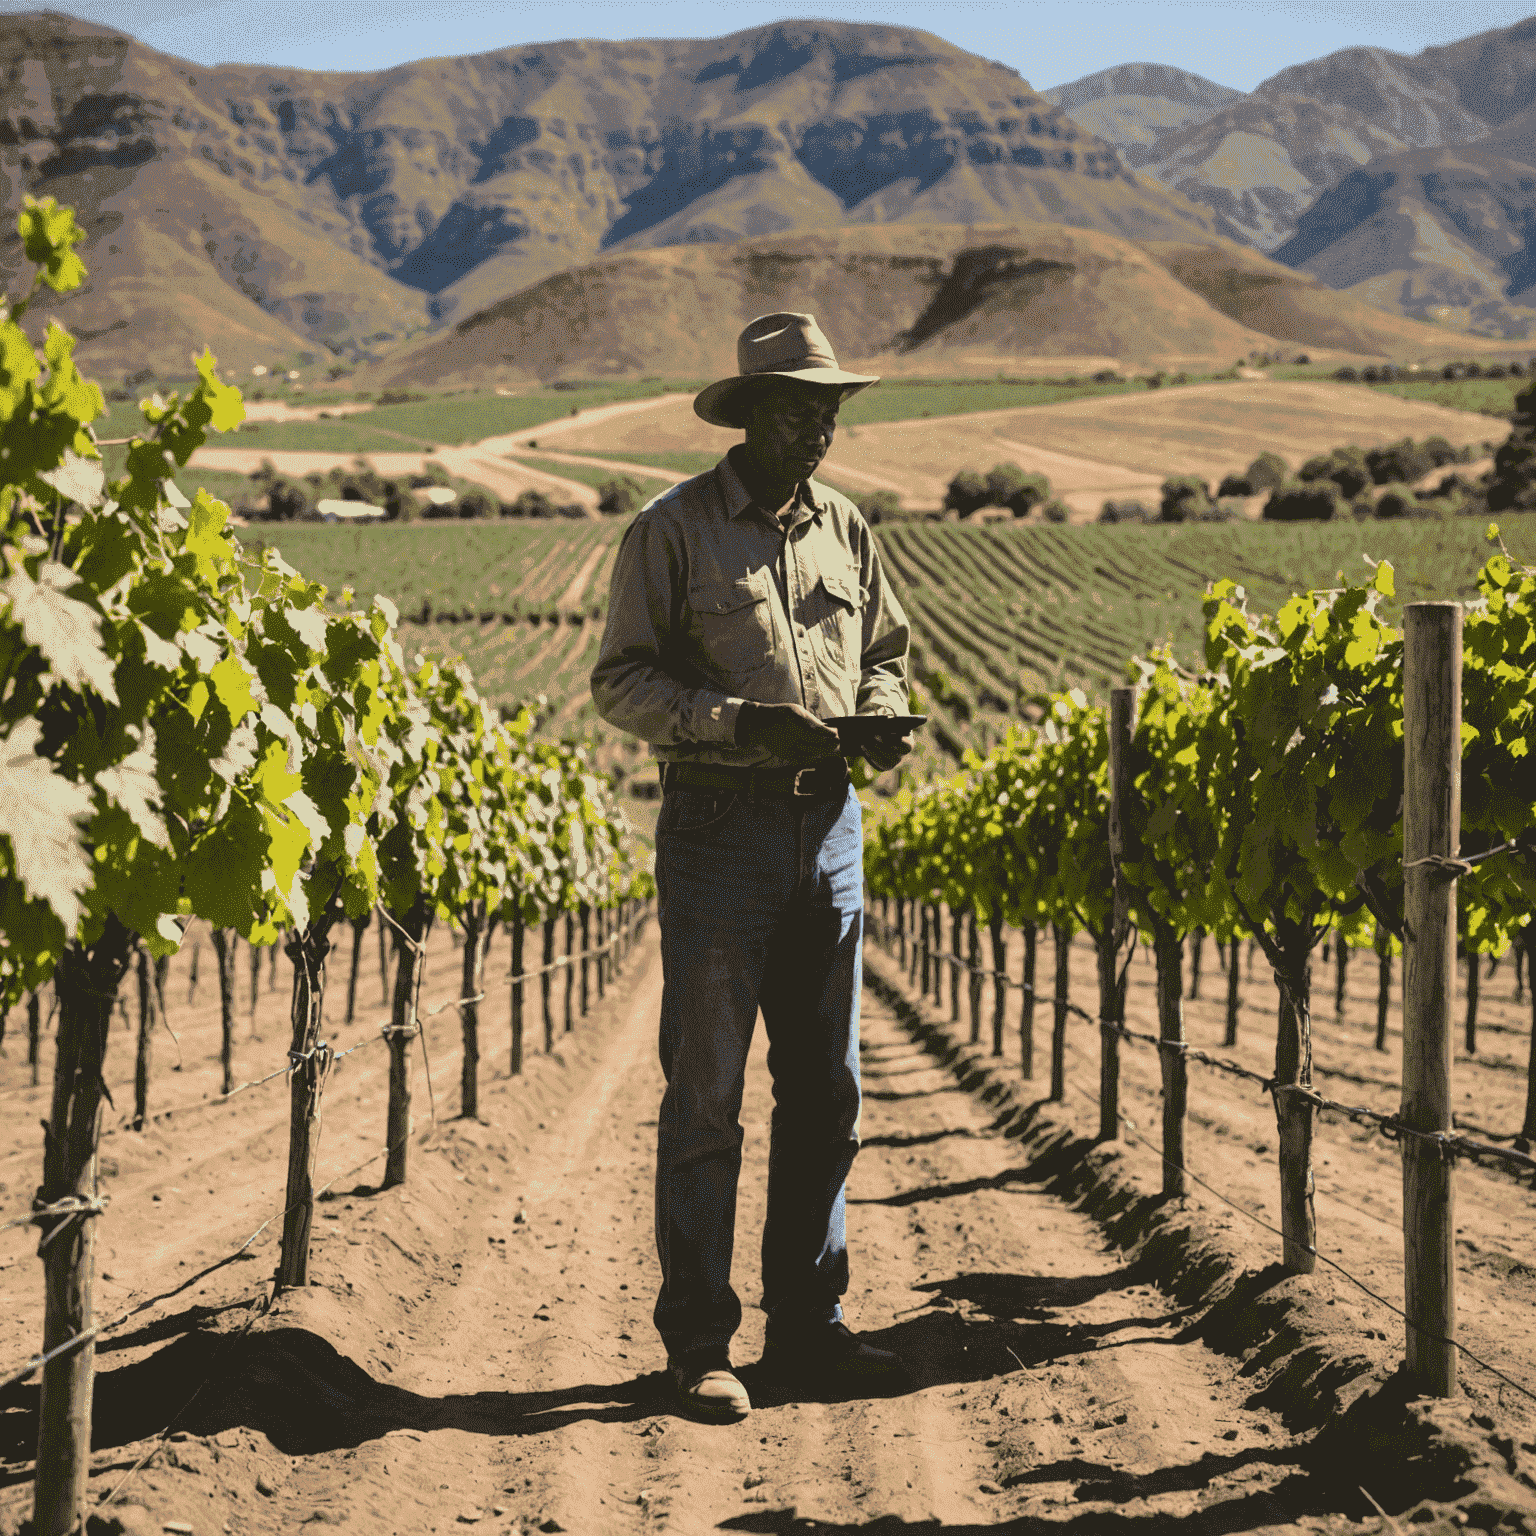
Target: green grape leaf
{"x": 40, "y": 811}
{"x": 66, "y": 631}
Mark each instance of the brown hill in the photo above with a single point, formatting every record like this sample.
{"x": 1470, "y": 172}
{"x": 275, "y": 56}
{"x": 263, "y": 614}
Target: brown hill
{"x": 272, "y": 211}
{"x": 1295, "y": 306}
{"x": 947, "y": 298}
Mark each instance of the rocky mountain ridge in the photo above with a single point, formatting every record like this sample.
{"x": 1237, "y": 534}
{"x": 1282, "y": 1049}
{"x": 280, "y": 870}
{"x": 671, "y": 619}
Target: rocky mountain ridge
{"x": 281, "y": 212}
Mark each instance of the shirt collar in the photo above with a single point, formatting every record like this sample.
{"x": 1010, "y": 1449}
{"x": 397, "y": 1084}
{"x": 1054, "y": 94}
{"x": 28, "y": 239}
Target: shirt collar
{"x": 738, "y": 498}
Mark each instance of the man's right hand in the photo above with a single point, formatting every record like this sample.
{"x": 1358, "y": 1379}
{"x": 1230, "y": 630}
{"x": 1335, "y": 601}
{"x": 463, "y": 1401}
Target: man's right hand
{"x": 789, "y": 731}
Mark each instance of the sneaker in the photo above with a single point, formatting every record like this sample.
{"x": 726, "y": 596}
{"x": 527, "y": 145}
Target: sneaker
{"x": 832, "y": 1351}
{"x": 707, "y": 1387}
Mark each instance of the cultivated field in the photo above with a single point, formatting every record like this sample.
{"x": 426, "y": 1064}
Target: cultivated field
{"x": 1116, "y": 445}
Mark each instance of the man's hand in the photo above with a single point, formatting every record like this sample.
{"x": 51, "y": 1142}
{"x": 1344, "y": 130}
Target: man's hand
{"x": 881, "y": 755}
{"x": 789, "y": 731}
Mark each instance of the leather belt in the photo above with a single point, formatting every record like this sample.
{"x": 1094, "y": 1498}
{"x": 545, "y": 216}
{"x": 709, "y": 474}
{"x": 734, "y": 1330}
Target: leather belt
{"x": 819, "y": 781}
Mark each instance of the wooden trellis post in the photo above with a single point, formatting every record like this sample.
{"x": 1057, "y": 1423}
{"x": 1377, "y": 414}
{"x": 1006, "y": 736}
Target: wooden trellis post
{"x": 517, "y": 993}
{"x": 1121, "y": 708}
{"x": 999, "y": 978}
{"x": 1062, "y": 937}
{"x": 1431, "y": 840}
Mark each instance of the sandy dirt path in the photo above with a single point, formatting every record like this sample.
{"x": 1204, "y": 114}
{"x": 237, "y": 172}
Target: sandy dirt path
{"x": 475, "y": 1346}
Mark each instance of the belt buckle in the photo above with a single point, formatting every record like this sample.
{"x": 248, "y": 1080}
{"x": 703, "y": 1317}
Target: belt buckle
{"x": 795, "y": 789}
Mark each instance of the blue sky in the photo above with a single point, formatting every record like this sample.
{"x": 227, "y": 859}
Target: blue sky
{"x": 1238, "y": 42}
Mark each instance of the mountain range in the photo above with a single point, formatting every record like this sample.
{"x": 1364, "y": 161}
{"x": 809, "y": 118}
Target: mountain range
{"x": 1406, "y": 181}
{"x": 342, "y": 218}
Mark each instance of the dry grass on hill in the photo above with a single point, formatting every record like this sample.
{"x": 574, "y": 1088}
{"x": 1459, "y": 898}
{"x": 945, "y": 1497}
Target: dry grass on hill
{"x": 1112, "y": 446}
{"x": 956, "y": 299}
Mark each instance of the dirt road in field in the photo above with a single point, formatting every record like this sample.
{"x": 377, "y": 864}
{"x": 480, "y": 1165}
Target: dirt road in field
{"x": 475, "y": 1347}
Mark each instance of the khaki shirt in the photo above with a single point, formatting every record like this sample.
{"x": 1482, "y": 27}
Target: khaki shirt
{"x": 698, "y": 622}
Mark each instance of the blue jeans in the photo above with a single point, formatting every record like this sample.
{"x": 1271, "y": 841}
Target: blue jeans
{"x": 760, "y": 905}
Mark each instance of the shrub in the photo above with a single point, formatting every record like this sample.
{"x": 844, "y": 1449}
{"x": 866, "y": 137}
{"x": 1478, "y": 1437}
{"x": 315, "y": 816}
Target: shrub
{"x": 1183, "y": 496}
{"x": 570, "y": 509}
{"x": 1301, "y": 359}
{"x": 1028, "y": 494}
{"x": 1397, "y": 501}
{"x": 1266, "y": 472}
{"x": 1346, "y": 375}
{"x": 620, "y": 496}
{"x": 1002, "y": 481}
{"x": 967, "y": 493}
{"x": 477, "y": 503}
{"x": 1123, "y": 512}
{"x": 1299, "y": 501}
{"x": 1056, "y": 511}
{"x": 878, "y": 505}
{"x": 529, "y": 504}
{"x": 398, "y": 397}
{"x": 1402, "y": 461}
{"x": 287, "y": 499}
{"x": 1316, "y": 468}
{"x": 1440, "y": 452}
{"x": 1235, "y": 485}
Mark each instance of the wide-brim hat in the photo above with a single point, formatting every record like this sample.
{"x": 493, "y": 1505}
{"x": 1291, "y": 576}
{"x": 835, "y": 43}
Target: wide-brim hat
{"x": 782, "y": 346}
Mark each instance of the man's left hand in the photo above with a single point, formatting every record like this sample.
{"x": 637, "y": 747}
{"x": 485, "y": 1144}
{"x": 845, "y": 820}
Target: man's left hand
{"x": 886, "y": 754}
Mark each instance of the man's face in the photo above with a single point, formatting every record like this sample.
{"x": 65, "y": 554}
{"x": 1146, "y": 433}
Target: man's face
{"x": 790, "y": 426}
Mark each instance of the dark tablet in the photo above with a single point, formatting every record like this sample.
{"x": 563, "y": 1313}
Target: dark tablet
{"x": 854, "y": 731}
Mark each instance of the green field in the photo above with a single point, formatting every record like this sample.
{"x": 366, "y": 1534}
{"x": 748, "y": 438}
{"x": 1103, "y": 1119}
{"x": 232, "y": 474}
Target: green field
{"x": 593, "y": 474}
{"x": 1493, "y": 397}
{"x": 906, "y": 399}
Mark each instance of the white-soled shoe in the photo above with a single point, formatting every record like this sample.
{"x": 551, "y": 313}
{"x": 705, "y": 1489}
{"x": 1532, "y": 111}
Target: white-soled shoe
{"x": 707, "y": 1387}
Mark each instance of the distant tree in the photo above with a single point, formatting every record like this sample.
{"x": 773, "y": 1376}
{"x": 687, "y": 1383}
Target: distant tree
{"x": 1029, "y": 493}
{"x": 571, "y": 509}
{"x": 1235, "y": 485}
{"x": 1440, "y": 451}
{"x": 1056, "y": 511}
{"x": 1513, "y": 486}
{"x": 1123, "y": 512}
{"x": 1183, "y": 496}
{"x": 1299, "y": 501}
{"x": 620, "y": 496}
{"x": 967, "y": 493}
{"x": 1266, "y": 472}
{"x": 878, "y": 506}
{"x": 529, "y": 503}
{"x": 1400, "y": 461}
{"x": 477, "y": 503}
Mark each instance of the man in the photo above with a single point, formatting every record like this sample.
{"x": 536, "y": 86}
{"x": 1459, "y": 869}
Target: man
{"x": 748, "y": 606}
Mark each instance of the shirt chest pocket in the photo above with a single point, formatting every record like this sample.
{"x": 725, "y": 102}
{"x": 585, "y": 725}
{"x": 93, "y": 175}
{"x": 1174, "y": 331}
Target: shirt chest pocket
{"x": 735, "y": 622}
{"x": 839, "y": 618}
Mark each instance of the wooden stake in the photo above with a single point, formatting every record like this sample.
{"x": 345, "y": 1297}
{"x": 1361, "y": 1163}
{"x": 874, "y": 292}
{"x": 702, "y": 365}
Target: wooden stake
{"x": 404, "y": 1026}
{"x": 1294, "y": 1118}
{"x": 1170, "y": 1027}
{"x": 1234, "y": 981}
{"x": 999, "y": 979}
{"x": 586, "y": 944}
{"x": 359, "y": 928}
{"x": 973, "y": 980}
{"x": 1525, "y": 950}
{"x": 85, "y": 984}
{"x": 901, "y": 930}
{"x": 956, "y": 924}
{"x": 224, "y": 954}
{"x": 1121, "y": 710}
{"x": 546, "y": 983}
{"x": 1027, "y": 1004}
{"x": 1383, "y": 983}
{"x": 517, "y": 994}
{"x": 1062, "y": 937}
{"x": 472, "y": 962}
{"x": 1474, "y": 966}
{"x": 1431, "y": 830}
{"x": 570, "y": 971}
{"x": 141, "y": 1060}
{"x": 1341, "y": 972}
{"x": 1196, "y": 950}
{"x": 383, "y": 961}
{"x": 307, "y": 949}
{"x": 35, "y": 1033}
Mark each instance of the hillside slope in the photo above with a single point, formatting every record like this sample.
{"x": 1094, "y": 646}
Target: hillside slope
{"x": 271, "y": 211}
{"x": 910, "y": 298}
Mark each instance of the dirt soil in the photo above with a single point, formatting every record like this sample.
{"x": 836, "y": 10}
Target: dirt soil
{"x": 475, "y": 1346}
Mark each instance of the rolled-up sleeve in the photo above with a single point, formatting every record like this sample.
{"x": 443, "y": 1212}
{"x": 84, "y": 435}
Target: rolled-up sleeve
{"x": 632, "y": 686}
{"x": 887, "y": 637}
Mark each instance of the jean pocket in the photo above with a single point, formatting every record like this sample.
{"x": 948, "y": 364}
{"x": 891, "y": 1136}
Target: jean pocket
{"x": 695, "y": 810}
